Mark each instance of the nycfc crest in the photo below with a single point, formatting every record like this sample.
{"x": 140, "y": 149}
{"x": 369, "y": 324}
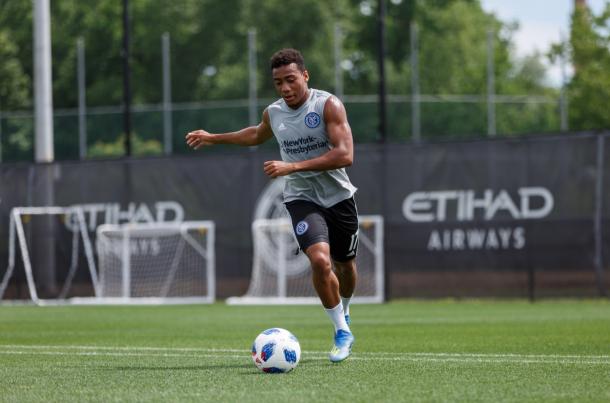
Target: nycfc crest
{"x": 312, "y": 120}
{"x": 302, "y": 227}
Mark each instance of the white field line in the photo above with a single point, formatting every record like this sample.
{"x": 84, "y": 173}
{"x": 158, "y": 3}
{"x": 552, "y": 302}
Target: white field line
{"x": 475, "y": 319}
{"x": 122, "y": 351}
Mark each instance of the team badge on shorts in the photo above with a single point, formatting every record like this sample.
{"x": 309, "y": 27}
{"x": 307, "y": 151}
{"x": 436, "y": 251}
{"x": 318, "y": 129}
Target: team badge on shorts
{"x": 312, "y": 120}
{"x": 301, "y": 228}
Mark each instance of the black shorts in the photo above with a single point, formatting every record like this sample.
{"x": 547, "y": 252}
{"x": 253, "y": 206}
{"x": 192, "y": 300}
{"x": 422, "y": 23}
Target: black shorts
{"x": 336, "y": 225}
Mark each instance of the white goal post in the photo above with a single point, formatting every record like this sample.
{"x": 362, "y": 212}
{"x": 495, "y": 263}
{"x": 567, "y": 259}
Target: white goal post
{"x": 280, "y": 275}
{"x": 152, "y": 263}
{"x": 156, "y": 263}
{"x": 44, "y": 228}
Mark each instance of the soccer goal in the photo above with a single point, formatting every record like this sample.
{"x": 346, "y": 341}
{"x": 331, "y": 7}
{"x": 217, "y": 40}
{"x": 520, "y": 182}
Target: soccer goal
{"x": 156, "y": 263}
{"x": 282, "y": 275}
{"x": 56, "y": 255}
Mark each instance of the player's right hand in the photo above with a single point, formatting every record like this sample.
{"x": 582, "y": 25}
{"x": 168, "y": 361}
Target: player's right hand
{"x": 198, "y": 139}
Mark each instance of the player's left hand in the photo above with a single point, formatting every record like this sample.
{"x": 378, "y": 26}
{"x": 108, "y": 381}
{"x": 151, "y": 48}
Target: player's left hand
{"x": 278, "y": 168}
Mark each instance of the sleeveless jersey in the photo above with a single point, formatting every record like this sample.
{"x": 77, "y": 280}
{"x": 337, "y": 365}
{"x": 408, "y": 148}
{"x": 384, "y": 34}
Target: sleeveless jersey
{"x": 301, "y": 135}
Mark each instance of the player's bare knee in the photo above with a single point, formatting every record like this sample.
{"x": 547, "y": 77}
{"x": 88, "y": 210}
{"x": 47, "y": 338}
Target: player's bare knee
{"x": 320, "y": 263}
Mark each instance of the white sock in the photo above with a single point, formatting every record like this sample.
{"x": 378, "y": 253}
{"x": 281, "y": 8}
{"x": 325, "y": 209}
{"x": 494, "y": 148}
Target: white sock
{"x": 336, "y": 315}
{"x": 345, "y": 302}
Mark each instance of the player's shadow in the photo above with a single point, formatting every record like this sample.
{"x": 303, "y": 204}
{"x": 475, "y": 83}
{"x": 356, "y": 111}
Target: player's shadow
{"x": 257, "y": 372}
{"x": 246, "y": 369}
{"x": 176, "y": 368}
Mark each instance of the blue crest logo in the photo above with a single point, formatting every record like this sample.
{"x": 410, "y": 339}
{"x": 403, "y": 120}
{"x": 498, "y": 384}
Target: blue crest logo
{"x": 302, "y": 227}
{"x": 312, "y": 120}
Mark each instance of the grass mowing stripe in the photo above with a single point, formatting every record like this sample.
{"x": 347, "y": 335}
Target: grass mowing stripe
{"x": 111, "y": 354}
{"x": 126, "y": 348}
{"x": 244, "y": 351}
{"x": 314, "y": 355}
{"x": 475, "y": 351}
{"x": 324, "y": 358}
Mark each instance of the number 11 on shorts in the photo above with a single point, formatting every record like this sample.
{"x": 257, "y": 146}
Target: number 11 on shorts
{"x": 353, "y": 244}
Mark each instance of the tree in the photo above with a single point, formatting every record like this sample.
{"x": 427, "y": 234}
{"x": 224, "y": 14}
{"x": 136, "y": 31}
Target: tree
{"x": 589, "y": 89}
{"x": 14, "y": 83}
{"x": 304, "y": 24}
{"x": 209, "y": 61}
{"x": 15, "y": 79}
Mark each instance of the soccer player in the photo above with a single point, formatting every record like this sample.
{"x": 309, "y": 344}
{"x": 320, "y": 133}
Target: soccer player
{"x": 316, "y": 145}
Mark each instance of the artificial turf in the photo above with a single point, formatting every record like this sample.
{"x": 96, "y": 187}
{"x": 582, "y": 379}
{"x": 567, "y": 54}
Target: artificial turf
{"x": 480, "y": 350}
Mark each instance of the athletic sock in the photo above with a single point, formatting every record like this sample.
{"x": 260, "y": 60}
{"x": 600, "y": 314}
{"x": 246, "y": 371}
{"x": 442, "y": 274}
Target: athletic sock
{"x": 337, "y": 316}
{"x": 345, "y": 302}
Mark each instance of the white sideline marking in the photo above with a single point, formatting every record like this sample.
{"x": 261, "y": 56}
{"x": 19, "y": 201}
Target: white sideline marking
{"x": 121, "y": 351}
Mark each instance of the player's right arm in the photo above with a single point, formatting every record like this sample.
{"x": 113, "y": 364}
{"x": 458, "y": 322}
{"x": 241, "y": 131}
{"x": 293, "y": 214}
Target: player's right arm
{"x": 249, "y": 136}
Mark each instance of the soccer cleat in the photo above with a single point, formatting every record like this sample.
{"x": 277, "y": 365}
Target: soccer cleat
{"x": 343, "y": 346}
{"x": 347, "y": 320}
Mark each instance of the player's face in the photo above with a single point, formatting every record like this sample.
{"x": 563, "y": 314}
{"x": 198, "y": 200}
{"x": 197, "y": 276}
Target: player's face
{"x": 291, "y": 84}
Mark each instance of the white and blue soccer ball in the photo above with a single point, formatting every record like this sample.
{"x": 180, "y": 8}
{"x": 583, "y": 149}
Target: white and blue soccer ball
{"x": 276, "y": 350}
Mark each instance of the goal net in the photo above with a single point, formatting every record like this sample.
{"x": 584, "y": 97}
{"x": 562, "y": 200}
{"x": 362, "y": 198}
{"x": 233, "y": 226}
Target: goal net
{"x": 281, "y": 275}
{"x": 156, "y": 262}
{"x": 50, "y": 247}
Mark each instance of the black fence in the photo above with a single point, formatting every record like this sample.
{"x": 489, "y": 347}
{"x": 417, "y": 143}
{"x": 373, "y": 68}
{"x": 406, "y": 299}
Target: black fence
{"x": 522, "y": 217}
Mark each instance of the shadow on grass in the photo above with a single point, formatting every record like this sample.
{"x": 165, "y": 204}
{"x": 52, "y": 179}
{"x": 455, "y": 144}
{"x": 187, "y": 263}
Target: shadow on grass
{"x": 302, "y": 363}
{"x": 245, "y": 369}
{"x": 176, "y": 368}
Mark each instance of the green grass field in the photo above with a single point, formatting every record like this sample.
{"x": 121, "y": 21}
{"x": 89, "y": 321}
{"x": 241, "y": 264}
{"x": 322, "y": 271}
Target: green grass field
{"x": 405, "y": 351}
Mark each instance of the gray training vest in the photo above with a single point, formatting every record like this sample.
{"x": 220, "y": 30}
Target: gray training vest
{"x": 301, "y": 135}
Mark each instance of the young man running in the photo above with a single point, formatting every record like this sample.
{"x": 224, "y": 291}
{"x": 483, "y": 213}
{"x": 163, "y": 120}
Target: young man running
{"x": 316, "y": 145}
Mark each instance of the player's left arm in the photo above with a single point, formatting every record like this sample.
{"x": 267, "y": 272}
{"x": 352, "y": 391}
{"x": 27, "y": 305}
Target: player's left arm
{"x": 340, "y": 136}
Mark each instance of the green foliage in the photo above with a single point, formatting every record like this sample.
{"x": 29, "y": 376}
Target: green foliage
{"x": 14, "y": 94}
{"x": 18, "y": 138}
{"x": 14, "y": 78}
{"x": 453, "y": 50}
{"x": 209, "y": 58}
{"x": 116, "y": 148}
{"x": 589, "y": 90}
{"x": 14, "y": 83}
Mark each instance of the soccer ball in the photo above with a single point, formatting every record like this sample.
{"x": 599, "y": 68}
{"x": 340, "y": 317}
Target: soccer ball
{"x": 276, "y": 350}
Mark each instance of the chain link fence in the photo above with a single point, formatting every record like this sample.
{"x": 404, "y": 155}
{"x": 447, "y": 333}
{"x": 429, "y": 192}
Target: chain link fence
{"x": 441, "y": 117}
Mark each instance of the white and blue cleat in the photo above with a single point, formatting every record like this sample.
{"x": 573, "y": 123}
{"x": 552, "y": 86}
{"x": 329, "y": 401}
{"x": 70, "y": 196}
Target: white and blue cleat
{"x": 343, "y": 346}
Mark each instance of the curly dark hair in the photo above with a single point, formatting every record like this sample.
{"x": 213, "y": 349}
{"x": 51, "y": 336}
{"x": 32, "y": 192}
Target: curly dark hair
{"x": 287, "y": 56}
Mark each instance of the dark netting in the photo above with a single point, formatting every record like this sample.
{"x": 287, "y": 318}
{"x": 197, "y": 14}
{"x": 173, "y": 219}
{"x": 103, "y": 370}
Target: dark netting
{"x": 503, "y": 217}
